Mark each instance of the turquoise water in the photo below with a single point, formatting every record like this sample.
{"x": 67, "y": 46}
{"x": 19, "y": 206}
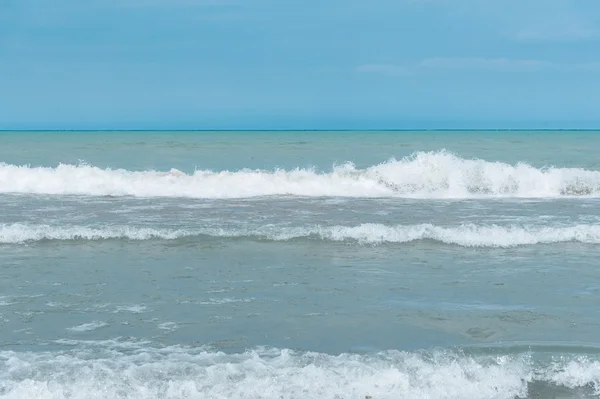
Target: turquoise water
{"x": 299, "y": 264}
{"x": 290, "y": 149}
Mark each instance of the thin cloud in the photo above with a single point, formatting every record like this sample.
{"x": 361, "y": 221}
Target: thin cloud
{"x": 559, "y": 23}
{"x": 481, "y": 63}
{"x": 490, "y": 64}
{"x": 557, "y": 33}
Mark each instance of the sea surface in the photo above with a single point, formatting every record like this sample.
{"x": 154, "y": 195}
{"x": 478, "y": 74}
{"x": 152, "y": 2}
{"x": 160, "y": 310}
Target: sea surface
{"x": 430, "y": 264}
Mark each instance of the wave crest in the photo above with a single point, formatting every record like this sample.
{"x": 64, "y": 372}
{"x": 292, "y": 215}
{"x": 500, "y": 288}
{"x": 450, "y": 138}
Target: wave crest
{"x": 466, "y": 235}
{"x": 421, "y": 175}
{"x": 275, "y": 373}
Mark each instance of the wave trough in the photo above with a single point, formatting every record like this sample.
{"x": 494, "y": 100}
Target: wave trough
{"x": 421, "y": 175}
{"x": 466, "y": 235}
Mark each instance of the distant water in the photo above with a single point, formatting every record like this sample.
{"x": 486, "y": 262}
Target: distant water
{"x": 300, "y": 265}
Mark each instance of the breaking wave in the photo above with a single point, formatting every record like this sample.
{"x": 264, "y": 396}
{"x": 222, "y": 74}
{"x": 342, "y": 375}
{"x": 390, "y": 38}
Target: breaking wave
{"x": 421, "y": 175}
{"x": 466, "y": 235}
{"x": 177, "y": 372}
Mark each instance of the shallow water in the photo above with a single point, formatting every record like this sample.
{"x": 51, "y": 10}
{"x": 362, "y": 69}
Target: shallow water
{"x": 261, "y": 264}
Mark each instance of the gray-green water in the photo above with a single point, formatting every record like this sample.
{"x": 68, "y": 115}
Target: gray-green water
{"x": 299, "y": 264}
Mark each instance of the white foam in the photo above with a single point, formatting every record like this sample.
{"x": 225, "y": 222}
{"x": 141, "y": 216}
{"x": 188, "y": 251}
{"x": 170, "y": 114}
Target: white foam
{"x": 224, "y": 301}
{"x": 88, "y": 326}
{"x": 110, "y": 344}
{"x": 57, "y": 304}
{"x": 467, "y": 235}
{"x": 422, "y": 175}
{"x": 576, "y": 374}
{"x": 181, "y": 373}
{"x": 168, "y": 326}
{"x": 131, "y": 308}
{"x": 19, "y": 233}
{"x": 4, "y": 301}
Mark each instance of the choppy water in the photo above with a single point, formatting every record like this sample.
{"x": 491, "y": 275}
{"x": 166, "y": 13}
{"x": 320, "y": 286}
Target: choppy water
{"x": 299, "y": 265}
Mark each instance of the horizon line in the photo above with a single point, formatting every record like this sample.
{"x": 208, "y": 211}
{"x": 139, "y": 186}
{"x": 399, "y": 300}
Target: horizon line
{"x": 316, "y": 130}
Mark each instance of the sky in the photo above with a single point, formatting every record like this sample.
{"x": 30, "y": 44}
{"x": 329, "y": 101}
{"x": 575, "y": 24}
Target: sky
{"x": 291, "y": 64}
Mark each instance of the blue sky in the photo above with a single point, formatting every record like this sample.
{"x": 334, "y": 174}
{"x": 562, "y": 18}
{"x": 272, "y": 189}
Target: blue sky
{"x": 218, "y": 64}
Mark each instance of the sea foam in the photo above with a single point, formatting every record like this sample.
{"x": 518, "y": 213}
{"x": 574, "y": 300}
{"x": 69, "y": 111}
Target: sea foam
{"x": 466, "y": 235}
{"x": 421, "y": 175}
{"x": 283, "y": 373}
